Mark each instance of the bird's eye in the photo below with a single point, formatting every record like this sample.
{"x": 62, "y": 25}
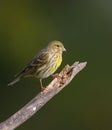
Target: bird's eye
{"x": 57, "y": 45}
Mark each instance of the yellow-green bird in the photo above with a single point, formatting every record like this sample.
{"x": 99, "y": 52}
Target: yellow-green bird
{"x": 44, "y": 64}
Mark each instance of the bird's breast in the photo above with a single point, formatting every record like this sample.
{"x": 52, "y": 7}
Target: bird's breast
{"x": 55, "y": 62}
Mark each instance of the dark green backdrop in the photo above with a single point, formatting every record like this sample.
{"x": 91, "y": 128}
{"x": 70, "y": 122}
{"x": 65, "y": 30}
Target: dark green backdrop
{"x": 85, "y": 28}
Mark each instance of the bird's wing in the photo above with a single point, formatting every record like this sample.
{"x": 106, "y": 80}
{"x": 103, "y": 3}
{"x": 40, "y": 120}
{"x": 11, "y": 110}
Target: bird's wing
{"x": 40, "y": 59}
{"x": 36, "y": 62}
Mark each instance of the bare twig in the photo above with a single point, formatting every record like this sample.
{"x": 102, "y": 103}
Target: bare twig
{"x": 58, "y": 83}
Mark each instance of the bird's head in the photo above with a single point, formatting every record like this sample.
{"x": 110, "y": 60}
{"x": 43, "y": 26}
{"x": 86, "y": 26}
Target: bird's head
{"x": 56, "y": 46}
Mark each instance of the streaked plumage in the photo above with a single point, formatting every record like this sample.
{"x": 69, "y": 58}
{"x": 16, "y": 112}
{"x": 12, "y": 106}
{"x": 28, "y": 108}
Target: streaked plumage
{"x": 44, "y": 64}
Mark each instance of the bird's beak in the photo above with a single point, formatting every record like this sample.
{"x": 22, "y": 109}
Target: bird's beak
{"x": 63, "y": 49}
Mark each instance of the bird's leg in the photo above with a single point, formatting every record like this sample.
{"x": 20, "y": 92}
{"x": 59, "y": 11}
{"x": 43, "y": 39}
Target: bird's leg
{"x": 41, "y": 85}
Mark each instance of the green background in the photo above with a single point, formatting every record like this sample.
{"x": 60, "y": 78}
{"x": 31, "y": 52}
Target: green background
{"x": 85, "y": 28}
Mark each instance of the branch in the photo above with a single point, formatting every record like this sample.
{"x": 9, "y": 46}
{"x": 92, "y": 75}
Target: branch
{"x": 58, "y": 83}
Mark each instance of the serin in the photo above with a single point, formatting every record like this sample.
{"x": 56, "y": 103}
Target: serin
{"x": 44, "y": 64}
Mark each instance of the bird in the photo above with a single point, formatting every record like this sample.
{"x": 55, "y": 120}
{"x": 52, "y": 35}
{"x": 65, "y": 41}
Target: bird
{"x": 44, "y": 64}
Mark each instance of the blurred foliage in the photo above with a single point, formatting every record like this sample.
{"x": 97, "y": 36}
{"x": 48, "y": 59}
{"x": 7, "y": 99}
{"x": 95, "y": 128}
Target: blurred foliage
{"x": 85, "y": 28}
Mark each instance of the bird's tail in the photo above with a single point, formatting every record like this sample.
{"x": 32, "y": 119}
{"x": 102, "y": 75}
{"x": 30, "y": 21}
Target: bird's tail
{"x": 14, "y": 81}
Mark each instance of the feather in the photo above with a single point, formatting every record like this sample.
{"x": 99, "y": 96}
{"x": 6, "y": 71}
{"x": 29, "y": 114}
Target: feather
{"x": 14, "y": 81}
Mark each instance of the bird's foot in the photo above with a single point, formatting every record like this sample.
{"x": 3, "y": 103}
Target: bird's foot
{"x": 43, "y": 88}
